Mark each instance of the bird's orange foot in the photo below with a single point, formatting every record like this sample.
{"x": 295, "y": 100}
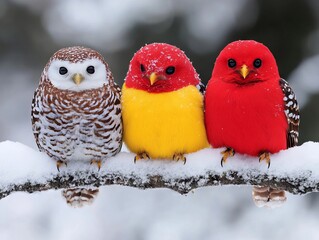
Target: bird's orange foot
{"x": 179, "y": 157}
{"x": 97, "y": 162}
{"x": 59, "y": 163}
{"x": 228, "y": 152}
{"x": 265, "y": 156}
{"x": 140, "y": 156}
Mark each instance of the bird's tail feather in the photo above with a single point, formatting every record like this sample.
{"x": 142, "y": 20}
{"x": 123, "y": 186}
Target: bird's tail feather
{"x": 79, "y": 197}
{"x": 268, "y": 197}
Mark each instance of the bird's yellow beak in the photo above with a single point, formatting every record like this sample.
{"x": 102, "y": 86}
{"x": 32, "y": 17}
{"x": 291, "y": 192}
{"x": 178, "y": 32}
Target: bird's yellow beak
{"x": 244, "y": 71}
{"x": 77, "y": 78}
{"x": 153, "y": 78}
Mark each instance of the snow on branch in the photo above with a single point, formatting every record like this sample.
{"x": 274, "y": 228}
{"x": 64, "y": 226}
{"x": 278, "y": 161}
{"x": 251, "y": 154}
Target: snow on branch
{"x": 295, "y": 170}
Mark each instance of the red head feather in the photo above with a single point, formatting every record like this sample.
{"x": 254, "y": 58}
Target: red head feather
{"x": 245, "y": 57}
{"x": 160, "y": 67}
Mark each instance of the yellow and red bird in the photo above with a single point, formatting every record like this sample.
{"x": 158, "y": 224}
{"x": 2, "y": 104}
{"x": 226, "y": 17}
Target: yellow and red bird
{"x": 162, "y": 107}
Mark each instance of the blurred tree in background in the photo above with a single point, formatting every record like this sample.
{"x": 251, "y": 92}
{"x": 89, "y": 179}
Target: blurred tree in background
{"x": 32, "y": 30}
{"x": 201, "y": 29}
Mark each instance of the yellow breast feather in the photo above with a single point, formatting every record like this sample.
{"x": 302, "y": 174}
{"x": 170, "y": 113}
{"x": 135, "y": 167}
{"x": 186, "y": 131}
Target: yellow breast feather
{"x": 163, "y": 124}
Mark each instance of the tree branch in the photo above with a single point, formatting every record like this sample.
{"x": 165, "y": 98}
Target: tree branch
{"x": 181, "y": 185}
{"x": 291, "y": 170}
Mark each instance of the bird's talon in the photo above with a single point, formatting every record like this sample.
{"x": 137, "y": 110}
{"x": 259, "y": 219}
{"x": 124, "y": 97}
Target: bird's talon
{"x": 222, "y": 162}
{"x": 59, "y": 164}
{"x": 140, "y": 156}
{"x": 265, "y": 156}
{"x": 228, "y": 152}
{"x": 97, "y": 162}
{"x": 179, "y": 157}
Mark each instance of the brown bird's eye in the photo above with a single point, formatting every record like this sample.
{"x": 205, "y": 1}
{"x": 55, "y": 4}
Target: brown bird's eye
{"x": 90, "y": 69}
{"x": 170, "y": 70}
{"x": 257, "y": 63}
{"x": 63, "y": 70}
{"x": 142, "y": 68}
{"x": 231, "y": 63}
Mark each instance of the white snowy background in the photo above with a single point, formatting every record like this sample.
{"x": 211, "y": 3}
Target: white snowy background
{"x": 122, "y": 212}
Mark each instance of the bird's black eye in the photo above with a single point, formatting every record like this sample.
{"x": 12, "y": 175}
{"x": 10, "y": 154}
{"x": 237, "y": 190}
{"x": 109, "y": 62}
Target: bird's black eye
{"x": 257, "y": 63}
{"x": 231, "y": 63}
{"x": 90, "y": 69}
{"x": 63, "y": 70}
{"x": 170, "y": 70}
{"x": 142, "y": 68}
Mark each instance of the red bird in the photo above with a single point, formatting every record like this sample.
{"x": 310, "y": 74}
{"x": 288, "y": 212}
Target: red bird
{"x": 248, "y": 107}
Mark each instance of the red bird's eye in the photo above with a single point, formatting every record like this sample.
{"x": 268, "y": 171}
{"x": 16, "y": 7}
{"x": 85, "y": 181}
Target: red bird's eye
{"x": 231, "y": 63}
{"x": 142, "y": 68}
{"x": 170, "y": 70}
{"x": 257, "y": 63}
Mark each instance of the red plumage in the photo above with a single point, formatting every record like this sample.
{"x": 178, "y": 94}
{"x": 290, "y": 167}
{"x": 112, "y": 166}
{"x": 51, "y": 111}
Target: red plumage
{"x": 246, "y": 113}
{"x": 157, "y": 58}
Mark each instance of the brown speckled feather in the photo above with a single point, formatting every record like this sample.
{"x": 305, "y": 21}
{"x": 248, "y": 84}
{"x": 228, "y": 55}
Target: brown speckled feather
{"x": 70, "y": 125}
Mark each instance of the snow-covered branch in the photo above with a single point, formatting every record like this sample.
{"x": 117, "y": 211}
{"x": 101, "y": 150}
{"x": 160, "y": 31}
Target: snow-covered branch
{"x": 295, "y": 170}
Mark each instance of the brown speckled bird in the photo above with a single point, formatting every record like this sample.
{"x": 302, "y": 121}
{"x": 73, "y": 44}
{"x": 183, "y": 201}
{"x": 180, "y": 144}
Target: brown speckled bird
{"x": 76, "y": 109}
{"x": 76, "y": 113}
